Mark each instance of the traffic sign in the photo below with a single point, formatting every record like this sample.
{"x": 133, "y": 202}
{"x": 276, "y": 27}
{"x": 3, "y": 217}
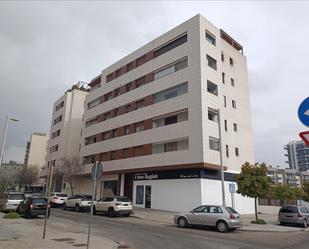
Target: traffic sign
{"x": 97, "y": 170}
{"x": 305, "y": 137}
{"x": 303, "y": 112}
{"x": 232, "y": 188}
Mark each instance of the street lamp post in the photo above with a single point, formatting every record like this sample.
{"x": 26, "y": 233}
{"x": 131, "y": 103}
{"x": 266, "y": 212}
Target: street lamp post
{"x": 4, "y": 135}
{"x": 221, "y": 158}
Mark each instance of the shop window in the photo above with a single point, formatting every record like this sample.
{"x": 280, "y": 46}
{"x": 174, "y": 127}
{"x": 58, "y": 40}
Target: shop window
{"x": 139, "y": 195}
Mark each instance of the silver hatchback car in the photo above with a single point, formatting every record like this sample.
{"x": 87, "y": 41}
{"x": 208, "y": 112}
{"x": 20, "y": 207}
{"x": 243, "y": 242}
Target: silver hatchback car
{"x": 224, "y": 219}
{"x": 294, "y": 215}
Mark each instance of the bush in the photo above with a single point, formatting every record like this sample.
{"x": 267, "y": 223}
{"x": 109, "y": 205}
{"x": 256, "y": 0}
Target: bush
{"x": 11, "y": 215}
{"x": 259, "y": 222}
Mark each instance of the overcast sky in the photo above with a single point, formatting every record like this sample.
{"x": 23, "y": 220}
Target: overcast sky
{"x": 45, "y": 47}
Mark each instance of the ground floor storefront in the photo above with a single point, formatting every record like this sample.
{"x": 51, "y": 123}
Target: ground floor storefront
{"x": 171, "y": 190}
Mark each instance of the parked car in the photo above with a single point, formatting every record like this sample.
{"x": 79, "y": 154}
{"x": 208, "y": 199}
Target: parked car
{"x": 57, "y": 199}
{"x": 33, "y": 207}
{"x": 10, "y": 200}
{"x": 78, "y": 202}
{"x": 113, "y": 206}
{"x": 224, "y": 219}
{"x": 294, "y": 215}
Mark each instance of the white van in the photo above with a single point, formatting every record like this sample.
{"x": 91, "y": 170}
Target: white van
{"x": 10, "y": 200}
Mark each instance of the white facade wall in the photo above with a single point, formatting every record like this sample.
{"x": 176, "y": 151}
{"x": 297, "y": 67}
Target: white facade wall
{"x": 38, "y": 150}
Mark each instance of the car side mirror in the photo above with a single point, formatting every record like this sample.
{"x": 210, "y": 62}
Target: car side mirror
{"x": 192, "y": 212}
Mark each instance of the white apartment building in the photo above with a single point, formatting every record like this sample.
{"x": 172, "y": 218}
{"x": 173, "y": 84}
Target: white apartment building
{"x": 65, "y": 130}
{"x": 35, "y": 155}
{"x": 151, "y": 119}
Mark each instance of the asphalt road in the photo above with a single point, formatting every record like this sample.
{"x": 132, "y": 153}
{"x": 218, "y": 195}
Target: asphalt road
{"x": 141, "y": 234}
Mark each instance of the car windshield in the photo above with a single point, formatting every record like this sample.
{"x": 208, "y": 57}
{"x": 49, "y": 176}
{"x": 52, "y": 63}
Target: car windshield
{"x": 39, "y": 201}
{"x": 86, "y": 197}
{"x": 123, "y": 199}
{"x": 62, "y": 195}
{"x": 16, "y": 196}
{"x": 231, "y": 210}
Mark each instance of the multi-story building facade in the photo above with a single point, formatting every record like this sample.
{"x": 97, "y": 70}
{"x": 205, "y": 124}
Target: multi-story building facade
{"x": 298, "y": 155}
{"x": 65, "y": 130}
{"x": 35, "y": 155}
{"x": 152, "y": 119}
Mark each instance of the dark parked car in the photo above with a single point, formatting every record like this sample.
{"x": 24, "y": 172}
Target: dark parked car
{"x": 33, "y": 207}
{"x": 294, "y": 215}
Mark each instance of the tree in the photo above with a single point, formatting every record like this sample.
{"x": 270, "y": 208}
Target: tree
{"x": 306, "y": 191}
{"x": 253, "y": 182}
{"x": 69, "y": 168}
{"x": 27, "y": 176}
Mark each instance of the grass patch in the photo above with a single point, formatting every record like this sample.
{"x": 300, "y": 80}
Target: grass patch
{"x": 11, "y": 215}
{"x": 259, "y": 222}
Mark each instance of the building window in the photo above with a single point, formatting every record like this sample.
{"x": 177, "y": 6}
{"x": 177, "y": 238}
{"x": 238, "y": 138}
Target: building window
{"x": 234, "y": 104}
{"x": 212, "y": 88}
{"x": 236, "y": 152}
{"x": 227, "y": 151}
{"x": 170, "y": 147}
{"x": 106, "y": 135}
{"x": 170, "y": 120}
{"x": 139, "y": 82}
{"x": 171, "y": 92}
{"x": 176, "y": 66}
{"x": 231, "y": 61}
{"x": 127, "y": 129}
{"x": 232, "y": 82}
{"x": 57, "y": 120}
{"x": 170, "y": 45}
{"x": 212, "y": 115}
{"x": 223, "y": 77}
{"x": 56, "y": 134}
{"x": 108, "y": 96}
{"x": 117, "y": 92}
{"x": 113, "y": 155}
{"x": 213, "y": 143}
{"x": 211, "y": 62}
{"x": 235, "y": 127}
{"x": 140, "y": 104}
{"x": 138, "y": 127}
{"x": 224, "y": 101}
{"x": 210, "y": 38}
{"x": 139, "y": 195}
{"x": 222, "y": 57}
{"x": 114, "y": 133}
{"x": 225, "y": 125}
{"x": 92, "y": 121}
{"x": 129, "y": 87}
{"x": 60, "y": 105}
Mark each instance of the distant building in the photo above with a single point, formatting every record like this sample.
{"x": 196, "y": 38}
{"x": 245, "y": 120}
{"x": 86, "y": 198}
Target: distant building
{"x": 35, "y": 155}
{"x": 65, "y": 130}
{"x": 298, "y": 155}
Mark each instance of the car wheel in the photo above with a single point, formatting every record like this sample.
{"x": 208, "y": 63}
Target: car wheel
{"x": 64, "y": 206}
{"x": 28, "y": 215}
{"x": 282, "y": 223}
{"x": 182, "y": 222}
{"x": 110, "y": 212}
{"x": 222, "y": 227}
{"x": 77, "y": 208}
{"x": 127, "y": 215}
{"x": 305, "y": 224}
{"x": 94, "y": 211}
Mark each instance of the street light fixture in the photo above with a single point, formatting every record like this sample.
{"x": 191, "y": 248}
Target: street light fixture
{"x": 4, "y": 135}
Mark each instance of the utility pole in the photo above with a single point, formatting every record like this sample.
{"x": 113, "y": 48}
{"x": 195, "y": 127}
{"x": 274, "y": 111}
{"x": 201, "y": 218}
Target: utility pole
{"x": 221, "y": 158}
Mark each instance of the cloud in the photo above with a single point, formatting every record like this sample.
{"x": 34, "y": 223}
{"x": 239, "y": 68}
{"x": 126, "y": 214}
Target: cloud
{"x": 46, "y": 47}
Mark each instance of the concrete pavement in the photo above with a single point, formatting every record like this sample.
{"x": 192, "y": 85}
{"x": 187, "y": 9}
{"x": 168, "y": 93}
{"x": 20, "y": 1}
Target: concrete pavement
{"x": 27, "y": 234}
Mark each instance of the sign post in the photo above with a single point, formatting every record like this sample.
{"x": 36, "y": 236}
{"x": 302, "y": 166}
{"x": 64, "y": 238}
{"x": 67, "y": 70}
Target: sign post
{"x": 232, "y": 189}
{"x": 96, "y": 173}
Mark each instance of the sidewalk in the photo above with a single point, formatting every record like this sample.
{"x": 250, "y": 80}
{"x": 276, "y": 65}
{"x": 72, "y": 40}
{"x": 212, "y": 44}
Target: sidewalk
{"x": 166, "y": 217}
{"x": 27, "y": 234}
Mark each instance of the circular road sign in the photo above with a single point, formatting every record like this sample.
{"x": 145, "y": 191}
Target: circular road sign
{"x": 303, "y": 112}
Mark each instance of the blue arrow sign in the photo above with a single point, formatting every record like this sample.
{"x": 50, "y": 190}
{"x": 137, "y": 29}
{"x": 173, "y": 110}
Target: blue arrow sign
{"x": 303, "y": 112}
